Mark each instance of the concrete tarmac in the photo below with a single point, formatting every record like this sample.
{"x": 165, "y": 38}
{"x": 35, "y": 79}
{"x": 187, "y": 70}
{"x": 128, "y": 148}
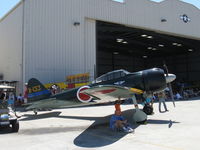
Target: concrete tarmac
{"x": 87, "y": 128}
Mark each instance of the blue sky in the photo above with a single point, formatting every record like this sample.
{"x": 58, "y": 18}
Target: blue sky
{"x": 6, "y": 5}
{"x": 194, "y": 2}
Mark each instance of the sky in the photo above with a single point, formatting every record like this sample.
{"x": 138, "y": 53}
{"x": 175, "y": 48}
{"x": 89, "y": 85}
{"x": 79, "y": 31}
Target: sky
{"x": 6, "y": 5}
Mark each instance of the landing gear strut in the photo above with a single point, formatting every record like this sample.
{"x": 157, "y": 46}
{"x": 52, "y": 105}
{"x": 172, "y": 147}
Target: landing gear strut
{"x": 139, "y": 116}
{"x": 35, "y": 111}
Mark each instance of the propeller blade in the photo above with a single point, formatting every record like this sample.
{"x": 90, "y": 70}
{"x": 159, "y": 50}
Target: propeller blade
{"x": 171, "y": 93}
{"x": 169, "y": 78}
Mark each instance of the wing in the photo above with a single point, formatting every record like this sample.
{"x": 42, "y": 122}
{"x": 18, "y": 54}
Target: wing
{"x": 54, "y": 103}
{"x": 111, "y": 92}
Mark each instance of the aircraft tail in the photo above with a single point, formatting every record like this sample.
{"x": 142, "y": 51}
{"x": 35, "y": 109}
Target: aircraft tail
{"x": 36, "y": 90}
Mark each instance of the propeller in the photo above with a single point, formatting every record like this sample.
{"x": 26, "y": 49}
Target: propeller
{"x": 169, "y": 79}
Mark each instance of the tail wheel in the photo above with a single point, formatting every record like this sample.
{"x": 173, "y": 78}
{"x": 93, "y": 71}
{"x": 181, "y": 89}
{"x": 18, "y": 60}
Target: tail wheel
{"x": 148, "y": 109}
{"x": 83, "y": 97}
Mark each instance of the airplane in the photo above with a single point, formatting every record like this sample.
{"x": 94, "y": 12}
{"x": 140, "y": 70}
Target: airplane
{"x": 106, "y": 88}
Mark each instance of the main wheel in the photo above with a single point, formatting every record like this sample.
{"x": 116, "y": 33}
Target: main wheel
{"x": 15, "y": 126}
{"x": 148, "y": 109}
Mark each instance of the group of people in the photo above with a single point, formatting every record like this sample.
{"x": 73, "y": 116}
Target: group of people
{"x": 161, "y": 97}
{"x": 10, "y": 99}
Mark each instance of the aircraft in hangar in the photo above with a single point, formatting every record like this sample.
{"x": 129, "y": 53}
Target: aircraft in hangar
{"x": 106, "y": 88}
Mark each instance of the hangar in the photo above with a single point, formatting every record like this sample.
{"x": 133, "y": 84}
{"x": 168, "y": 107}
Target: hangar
{"x": 49, "y": 39}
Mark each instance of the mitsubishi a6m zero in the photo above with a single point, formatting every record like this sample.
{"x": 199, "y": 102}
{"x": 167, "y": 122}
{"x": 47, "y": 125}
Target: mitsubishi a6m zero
{"x": 106, "y": 88}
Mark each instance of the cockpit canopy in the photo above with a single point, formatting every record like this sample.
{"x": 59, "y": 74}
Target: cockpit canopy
{"x": 111, "y": 75}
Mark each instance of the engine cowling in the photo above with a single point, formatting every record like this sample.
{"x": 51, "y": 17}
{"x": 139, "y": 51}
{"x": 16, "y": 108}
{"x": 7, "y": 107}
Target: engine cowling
{"x": 84, "y": 98}
{"x": 154, "y": 79}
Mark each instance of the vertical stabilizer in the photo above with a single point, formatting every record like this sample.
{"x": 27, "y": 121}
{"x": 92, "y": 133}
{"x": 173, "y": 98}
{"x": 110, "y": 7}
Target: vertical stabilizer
{"x": 37, "y": 91}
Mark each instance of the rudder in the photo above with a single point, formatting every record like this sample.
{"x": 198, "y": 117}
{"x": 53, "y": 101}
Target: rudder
{"x": 36, "y": 90}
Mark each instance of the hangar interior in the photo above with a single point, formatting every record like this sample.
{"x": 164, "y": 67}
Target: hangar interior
{"x": 133, "y": 49}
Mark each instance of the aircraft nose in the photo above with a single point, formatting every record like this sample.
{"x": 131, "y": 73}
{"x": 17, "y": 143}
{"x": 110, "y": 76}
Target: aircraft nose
{"x": 170, "y": 77}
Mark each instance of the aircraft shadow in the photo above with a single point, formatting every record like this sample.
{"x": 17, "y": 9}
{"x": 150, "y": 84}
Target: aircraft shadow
{"x": 169, "y": 122}
{"x": 99, "y": 134}
{"x": 28, "y": 117}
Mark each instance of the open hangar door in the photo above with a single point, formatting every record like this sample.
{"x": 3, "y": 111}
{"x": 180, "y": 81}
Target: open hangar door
{"x": 133, "y": 49}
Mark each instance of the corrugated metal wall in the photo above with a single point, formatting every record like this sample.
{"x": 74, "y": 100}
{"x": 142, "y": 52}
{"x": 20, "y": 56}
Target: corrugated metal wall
{"x": 11, "y": 46}
{"x": 54, "y": 47}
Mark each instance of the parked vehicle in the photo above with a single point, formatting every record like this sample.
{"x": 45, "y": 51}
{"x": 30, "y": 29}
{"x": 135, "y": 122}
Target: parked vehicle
{"x": 8, "y": 118}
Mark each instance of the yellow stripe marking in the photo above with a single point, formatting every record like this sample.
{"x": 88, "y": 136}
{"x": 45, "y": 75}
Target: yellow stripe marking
{"x": 137, "y": 91}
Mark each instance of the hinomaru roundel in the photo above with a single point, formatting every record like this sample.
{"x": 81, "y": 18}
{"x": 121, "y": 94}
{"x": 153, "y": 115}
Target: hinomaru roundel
{"x": 83, "y": 97}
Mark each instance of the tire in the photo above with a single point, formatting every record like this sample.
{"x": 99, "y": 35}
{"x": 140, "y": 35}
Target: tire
{"x": 15, "y": 126}
{"x": 148, "y": 109}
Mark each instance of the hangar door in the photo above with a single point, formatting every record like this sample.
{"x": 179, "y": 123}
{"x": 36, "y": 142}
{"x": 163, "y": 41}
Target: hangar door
{"x": 133, "y": 49}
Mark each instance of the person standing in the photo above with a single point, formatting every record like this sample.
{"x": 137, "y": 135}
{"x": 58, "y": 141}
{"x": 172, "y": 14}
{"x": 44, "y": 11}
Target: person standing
{"x": 162, "y": 97}
{"x": 3, "y": 96}
{"x": 11, "y": 100}
{"x": 26, "y": 93}
{"x": 118, "y": 104}
{"x": 148, "y": 98}
{"x": 20, "y": 99}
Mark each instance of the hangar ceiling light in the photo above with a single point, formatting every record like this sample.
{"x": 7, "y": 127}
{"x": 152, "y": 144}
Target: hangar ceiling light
{"x": 154, "y": 49}
{"x": 144, "y": 56}
{"x": 119, "y": 40}
{"x": 115, "y": 53}
{"x": 160, "y": 45}
{"x": 149, "y": 37}
{"x": 146, "y": 36}
{"x": 143, "y": 35}
{"x": 190, "y": 50}
{"x": 125, "y": 42}
{"x": 179, "y": 45}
